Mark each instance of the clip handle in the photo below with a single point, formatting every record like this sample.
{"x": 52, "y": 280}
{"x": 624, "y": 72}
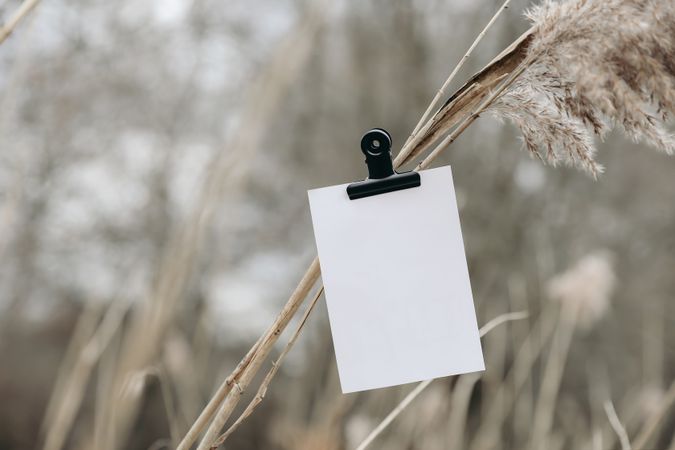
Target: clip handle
{"x": 382, "y": 178}
{"x": 376, "y": 145}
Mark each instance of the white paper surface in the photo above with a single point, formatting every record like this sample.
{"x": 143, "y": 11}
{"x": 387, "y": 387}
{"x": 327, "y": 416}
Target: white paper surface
{"x": 396, "y": 282}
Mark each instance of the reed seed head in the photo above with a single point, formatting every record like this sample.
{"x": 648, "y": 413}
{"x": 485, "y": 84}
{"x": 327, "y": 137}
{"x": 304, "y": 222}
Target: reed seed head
{"x": 594, "y": 65}
{"x": 584, "y": 291}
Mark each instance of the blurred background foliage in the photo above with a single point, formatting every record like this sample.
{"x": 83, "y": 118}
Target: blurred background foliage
{"x": 110, "y": 116}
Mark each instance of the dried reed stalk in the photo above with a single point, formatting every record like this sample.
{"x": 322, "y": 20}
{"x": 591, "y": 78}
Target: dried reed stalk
{"x": 459, "y": 407}
{"x": 228, "y": 169}
{"x": 394, "y": 414}
{"x": 242, "y": 381}
{"x": 617, "y": 426}
{"x": 71, "y": 390}
{"x": 487, "y": 435}
{"x": 453, "y": 74}
{"x": 23, "y": 10}
{"x": 599, "y": 64}
{"x": 217, "y": 399}
{"x": 85, "y": 327}
{"x": 465, "y": 99}
{"x": 159, "y": 372}
{"x": 262, "y": 390}
{"x": 485, "y": 329}
{"x": 550, "y": 113}
{"x": 654, "y": 421}
{"x": 550, "y": 385}
{"x": 243, "y": 378}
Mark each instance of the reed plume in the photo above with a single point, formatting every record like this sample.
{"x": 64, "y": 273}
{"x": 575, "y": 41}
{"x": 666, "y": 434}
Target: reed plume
{"x": 595, "y": 65}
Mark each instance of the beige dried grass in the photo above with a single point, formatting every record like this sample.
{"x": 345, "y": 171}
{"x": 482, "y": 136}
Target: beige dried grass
{"x": 597, "y": 64}
{"x": 251, "y": 364}
{"x": 539, "y": 84}
{"x": 655, "y": 420}
{"x": 616, "y": 424}
{"x": 70, "y": 390}
{"x": 462, "y": 399}
{"x": 16, "y": 18}
{"x": 583, "y": 291}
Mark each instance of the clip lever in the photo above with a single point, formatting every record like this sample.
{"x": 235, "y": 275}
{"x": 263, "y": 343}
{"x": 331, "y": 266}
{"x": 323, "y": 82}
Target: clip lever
{"x": 382, "y": 178}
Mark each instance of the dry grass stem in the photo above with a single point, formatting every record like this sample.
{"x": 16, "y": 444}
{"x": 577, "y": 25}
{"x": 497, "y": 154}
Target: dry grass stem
{"x": 617, "y": 426}
{"x": 453, "y": 74}
{"x": 7, "y": 29}
{"x": 518, "y": 85}
{"x": 468, "y": 120}
{"x": 169, "y": 404}
{"x": 653, "y": 422}
{"x": 487, "y": 436}
{"x": 550, "y": 384}
{"x": 82, "y": 333}
{"x": 579, "y": 82}
{"x": 394, "y": 413}
{"x": 461, "y": 397}
{"x": 153, "y": 321}
{"x": 465, "y": 99}
{"x": 266, "y": 345}
{"x": 424, "y": 384}
{"x": 499, "y": 320}
{"x": 262, "y": 390}
{"x": 291, "y": 55}
{"x": 293, "y": 303}
{"x": 214, "y": 402}
{"x": 583, "y": 293}
{"x": 597, "y": 64}
{"x": 69, "y": 397}
{"x": 582, "y": 69}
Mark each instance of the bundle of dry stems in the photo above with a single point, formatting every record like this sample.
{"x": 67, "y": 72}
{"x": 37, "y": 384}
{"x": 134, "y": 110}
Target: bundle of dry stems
{"x": 583, "y": 68}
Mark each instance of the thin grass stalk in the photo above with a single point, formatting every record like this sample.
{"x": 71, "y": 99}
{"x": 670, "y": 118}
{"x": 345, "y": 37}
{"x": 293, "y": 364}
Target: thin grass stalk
{"x": 672, "y": 443}
{"x": 449, "y": 139}
{"x": 15, "y": 192}
{"x": 101, "y": 437}
{"x": 459, "y": 408}
{"x": 75, "y": 384}
{"x": 654, "y": 421}
{"x": 82, "y": 333}
{"x": 617, "y": 426}
{"x": 441, "y": 92}
{"x": 518, "y": 298}
{"x": 508, "y": 58}
{"x": 424, "y": 384}
{"x": 271, "y": 336}
{"x": 602, "y": 434}
{"x": 501, "y": 319}
{"x": 275, "y": 365}
{"x": 153, "y": 320}
{"x": 262, "y": 390}
{"x": 488, "y": 434}
{"x": 293, "y": 303}
{"x": 466, "y": 98}
{"x": 184, "y": 375}
{"x": 394, "y": 414}
{"x": 212, "y": 406}
{"x": 550, "y": 385}
{"x": 23, "y": 10}
{"x": 169, "y": 403}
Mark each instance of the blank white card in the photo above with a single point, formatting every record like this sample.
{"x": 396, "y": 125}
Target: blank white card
{"x": 396, "y": 282}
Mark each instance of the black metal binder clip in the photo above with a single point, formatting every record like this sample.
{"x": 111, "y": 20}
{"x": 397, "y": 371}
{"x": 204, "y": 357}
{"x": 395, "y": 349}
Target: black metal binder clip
{"x": 382, "y": 178}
